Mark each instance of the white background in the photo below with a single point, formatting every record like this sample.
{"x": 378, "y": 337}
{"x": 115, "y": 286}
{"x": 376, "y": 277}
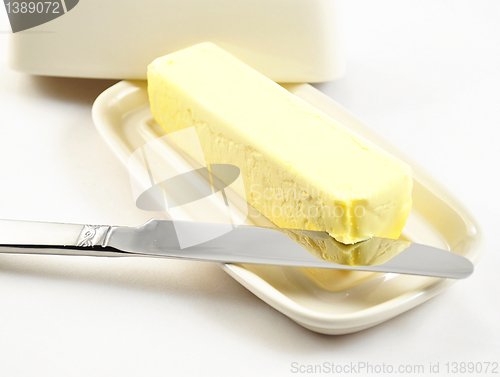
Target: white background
{"x": 425, "y": 74}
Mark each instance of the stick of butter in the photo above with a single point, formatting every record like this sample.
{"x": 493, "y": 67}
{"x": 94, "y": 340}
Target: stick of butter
{"x": 301, "y": 168}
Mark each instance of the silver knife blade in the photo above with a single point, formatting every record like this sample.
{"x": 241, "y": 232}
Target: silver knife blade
{"x": 243, "y": 244}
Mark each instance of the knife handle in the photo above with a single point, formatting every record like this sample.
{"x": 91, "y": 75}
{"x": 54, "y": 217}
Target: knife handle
{"x": 33, "y": 237}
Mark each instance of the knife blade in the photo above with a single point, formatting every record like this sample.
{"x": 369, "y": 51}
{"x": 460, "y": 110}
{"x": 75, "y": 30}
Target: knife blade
{"x": 242, "y": 244}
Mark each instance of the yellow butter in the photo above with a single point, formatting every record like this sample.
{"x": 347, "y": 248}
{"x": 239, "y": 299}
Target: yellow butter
{"x": 301, "y": 168}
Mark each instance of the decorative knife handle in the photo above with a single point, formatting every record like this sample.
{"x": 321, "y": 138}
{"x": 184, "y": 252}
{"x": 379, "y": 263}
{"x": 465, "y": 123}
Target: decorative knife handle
{"x": 93, "y": 235}
{"x": 31, "y": 237}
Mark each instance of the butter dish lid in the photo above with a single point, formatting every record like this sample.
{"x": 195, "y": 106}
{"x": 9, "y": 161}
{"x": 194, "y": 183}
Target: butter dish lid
{"x": 288, "y": 41}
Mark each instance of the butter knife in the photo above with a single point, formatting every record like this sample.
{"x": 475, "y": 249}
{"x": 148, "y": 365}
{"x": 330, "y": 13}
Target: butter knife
{"x": 242, "y": 244}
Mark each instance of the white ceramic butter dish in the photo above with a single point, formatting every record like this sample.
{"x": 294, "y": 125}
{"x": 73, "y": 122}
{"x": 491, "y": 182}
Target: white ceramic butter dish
{"x": 286, "y": 40}
{"x": 326, "y": 301}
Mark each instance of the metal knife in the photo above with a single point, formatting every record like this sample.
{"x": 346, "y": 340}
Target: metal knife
{"x": 243, "y": 244}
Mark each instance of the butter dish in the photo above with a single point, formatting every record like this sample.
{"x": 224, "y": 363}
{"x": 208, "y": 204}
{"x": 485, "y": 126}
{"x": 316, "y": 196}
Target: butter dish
{"x": 288, "y": 41}
{"x": 329, "y": 302}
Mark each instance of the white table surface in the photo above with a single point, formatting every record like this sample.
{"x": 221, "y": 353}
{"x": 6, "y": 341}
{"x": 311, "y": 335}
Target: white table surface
{"x": 426, "y": 74}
